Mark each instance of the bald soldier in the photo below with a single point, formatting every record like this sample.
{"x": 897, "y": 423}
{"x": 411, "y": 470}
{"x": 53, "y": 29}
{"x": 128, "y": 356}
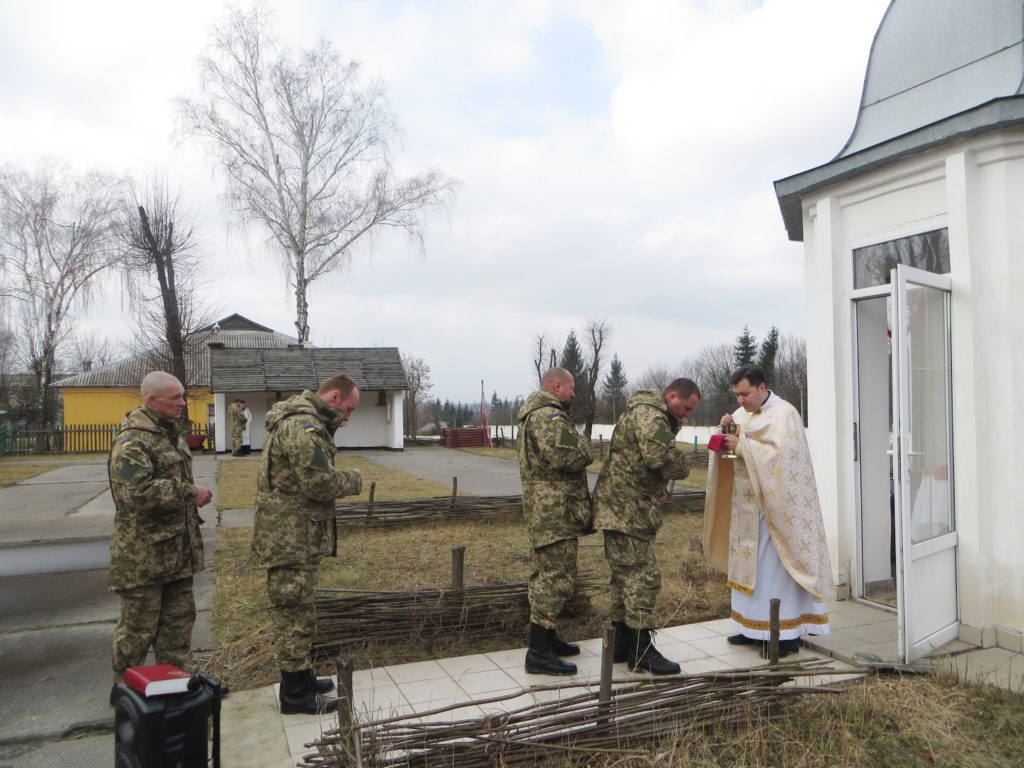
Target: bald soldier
{"x": 156, "y": 546}
{"x": 553, "y": 461}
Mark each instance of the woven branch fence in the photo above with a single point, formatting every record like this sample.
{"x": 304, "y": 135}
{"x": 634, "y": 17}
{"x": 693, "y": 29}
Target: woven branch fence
{"x": 347, "y": 618}
{"x": 638, "y": 714}
{"x": 385, "y": 514}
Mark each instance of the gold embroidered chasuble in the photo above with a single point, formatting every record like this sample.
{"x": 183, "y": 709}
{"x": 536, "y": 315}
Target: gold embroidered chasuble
{"x": 773, "y": 474}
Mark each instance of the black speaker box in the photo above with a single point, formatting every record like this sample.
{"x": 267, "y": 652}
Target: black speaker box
{"x": 163, "y": 731}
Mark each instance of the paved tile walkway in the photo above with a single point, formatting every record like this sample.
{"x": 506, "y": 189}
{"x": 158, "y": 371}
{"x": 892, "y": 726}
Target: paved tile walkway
{"x": 260, "y": 737}
{"x": 425, "y": 685}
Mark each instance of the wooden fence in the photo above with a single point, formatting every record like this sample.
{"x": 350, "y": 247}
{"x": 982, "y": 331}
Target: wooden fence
{"x": 81, "y": 438}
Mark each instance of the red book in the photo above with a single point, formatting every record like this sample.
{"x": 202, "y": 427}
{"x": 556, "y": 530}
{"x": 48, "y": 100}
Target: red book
{"x": 157, "y": 680}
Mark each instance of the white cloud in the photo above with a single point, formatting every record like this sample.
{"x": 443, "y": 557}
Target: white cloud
{"x": 648, "y": 200}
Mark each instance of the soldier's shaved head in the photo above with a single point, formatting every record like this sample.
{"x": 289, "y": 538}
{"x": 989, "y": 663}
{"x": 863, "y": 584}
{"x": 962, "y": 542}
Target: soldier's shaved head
{"x": 163, "y": 393}
{"x": 553, "y": 376}
{"x": 158, "y": 382}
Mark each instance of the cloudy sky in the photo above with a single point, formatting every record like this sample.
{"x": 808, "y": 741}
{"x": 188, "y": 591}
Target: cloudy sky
{"x": 616, "y": 160}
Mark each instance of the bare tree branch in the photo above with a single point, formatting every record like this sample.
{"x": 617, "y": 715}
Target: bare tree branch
{"x": 305, "y": 147}
{"x": 417, "y": 373}
{"x": 55, "y": 239}
{"x": 160, "y": 261}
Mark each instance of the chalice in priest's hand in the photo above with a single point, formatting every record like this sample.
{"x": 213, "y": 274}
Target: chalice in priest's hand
{"x": 731, "y": 429}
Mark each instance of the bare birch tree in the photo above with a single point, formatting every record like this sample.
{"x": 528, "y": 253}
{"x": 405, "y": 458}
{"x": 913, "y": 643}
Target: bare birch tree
{"x": 159, "y": 264}
{"x": 55, "y": 239}
{"x": 306, "y": 149}
{"x": 598, "y": 330}
{"x": 417, "y": 373}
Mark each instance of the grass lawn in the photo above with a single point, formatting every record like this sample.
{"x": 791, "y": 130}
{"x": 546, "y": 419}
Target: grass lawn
{"x": 236, "y": 484}
{"x": 12, "y": 474}
{"x": 53, "y": 458}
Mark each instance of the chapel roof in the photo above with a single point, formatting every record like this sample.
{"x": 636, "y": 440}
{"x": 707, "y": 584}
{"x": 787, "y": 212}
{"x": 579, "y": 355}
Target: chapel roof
{"x": 939, "y": 70}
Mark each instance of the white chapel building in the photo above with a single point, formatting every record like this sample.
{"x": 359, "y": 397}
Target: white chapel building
{"x": 914, "y": 255}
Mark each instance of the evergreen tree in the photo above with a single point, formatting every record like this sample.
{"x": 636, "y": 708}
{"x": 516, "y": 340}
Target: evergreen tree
{"x": 769, "y": 350}
{"x": 745, "y": 349}
{"x": 572, "y": 361}
{"x": 614, "y": 389}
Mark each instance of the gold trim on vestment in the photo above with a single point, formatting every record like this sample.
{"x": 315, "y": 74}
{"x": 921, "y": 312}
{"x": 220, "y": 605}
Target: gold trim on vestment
{"x": 819, "y": 619}
{"x": 738, "y": 588}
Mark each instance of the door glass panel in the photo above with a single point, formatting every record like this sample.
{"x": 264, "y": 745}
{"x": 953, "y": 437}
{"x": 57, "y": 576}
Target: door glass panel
{"x": 930, "y": 417}
{"x": 928, "y": 251}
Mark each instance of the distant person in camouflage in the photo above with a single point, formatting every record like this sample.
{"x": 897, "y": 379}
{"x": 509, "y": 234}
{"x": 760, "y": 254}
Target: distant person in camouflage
{"x": 236, "y": 420}
{"x": 295, "y": 493}
{"x": 553, "y": 461}
{"x": 156, "y": 545}
{"x": 642, "y": 458}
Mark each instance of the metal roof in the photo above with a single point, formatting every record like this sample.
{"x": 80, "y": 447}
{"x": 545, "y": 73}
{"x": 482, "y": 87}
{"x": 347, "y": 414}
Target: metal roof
{"x": 284, "y": 370}
{"x": 239, "y": 332}
{"x": 939, "y": 70}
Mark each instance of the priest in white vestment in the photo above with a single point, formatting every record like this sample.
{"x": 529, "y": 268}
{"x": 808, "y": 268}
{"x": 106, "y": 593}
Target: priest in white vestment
{"x": 762, "y": 519}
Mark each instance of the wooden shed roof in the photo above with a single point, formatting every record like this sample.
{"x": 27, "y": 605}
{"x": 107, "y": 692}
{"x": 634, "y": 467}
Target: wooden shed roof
{"x": 284, "y": 370}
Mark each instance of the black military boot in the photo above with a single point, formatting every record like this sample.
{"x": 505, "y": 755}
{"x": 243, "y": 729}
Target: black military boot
{"x": 540, "y": 659}
{"x": 318, "y": 684}
{"x": 560, "y": 647}
{"x": 645, "y": 657}
{"x": 297, "y": 698}
{"x": 620, "y": 652}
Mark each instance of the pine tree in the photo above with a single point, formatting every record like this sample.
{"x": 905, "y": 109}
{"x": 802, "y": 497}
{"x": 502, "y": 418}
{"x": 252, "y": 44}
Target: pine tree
{"x": 614, "y": 388}
{"x": 769, "y": 350}
{"x": 745, "y": 348}
{"x": 572, "y": 361}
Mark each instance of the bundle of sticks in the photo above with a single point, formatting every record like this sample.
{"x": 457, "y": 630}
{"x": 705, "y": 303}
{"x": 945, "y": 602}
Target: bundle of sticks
{"x": 569, "y": 725}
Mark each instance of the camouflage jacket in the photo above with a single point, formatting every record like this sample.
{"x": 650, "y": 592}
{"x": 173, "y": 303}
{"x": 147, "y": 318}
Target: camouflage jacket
{"x": 236, "y": 417}
{"x": 553, "y": 461}
{"x": 156, "y": 535}
{"x": 641, "y": 460}
{"x": 297, "y": 483}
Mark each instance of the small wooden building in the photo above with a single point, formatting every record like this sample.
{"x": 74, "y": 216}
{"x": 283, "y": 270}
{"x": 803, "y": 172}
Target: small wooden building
{"x": 262, "y": 377}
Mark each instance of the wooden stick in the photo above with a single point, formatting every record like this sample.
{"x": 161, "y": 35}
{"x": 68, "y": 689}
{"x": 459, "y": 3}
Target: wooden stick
{"x": 773, "y": 632}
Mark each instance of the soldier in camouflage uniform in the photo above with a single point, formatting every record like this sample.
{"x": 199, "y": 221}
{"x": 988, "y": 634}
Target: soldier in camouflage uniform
{"x": 553, "y": 461}
{"x": 295, "y": 493}
{"x": 642, "y": 458}
{"x": 236, "y": 420}
{"x": 156, "y": 544}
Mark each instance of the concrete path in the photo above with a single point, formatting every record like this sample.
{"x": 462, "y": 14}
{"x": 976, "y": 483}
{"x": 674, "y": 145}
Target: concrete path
{"x": 57, "y": 616}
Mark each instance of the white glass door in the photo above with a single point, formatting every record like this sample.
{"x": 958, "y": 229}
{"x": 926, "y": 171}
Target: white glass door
{"x": 926, "y": 537}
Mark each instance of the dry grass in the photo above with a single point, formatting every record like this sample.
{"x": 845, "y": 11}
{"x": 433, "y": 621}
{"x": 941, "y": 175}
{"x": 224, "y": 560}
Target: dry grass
{"x": 236, "y": 483}
{"x": 420, "y": 557}
{"x": 53, "y": 458}
{"x": 15, "y": 473}
{"x": 884, "y": 722}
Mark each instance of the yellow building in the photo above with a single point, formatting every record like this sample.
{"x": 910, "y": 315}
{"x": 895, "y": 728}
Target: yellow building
{"x": 103, "y": 396}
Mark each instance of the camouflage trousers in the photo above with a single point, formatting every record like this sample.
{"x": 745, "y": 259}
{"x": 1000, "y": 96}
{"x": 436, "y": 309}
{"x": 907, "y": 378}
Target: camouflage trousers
{"x": 236, "y": 439}
{"x": 162, "y": 616}
{"x": 552, "y": 582}
{"x": 636, "y": 579}
{"x": 290, "y": 590}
